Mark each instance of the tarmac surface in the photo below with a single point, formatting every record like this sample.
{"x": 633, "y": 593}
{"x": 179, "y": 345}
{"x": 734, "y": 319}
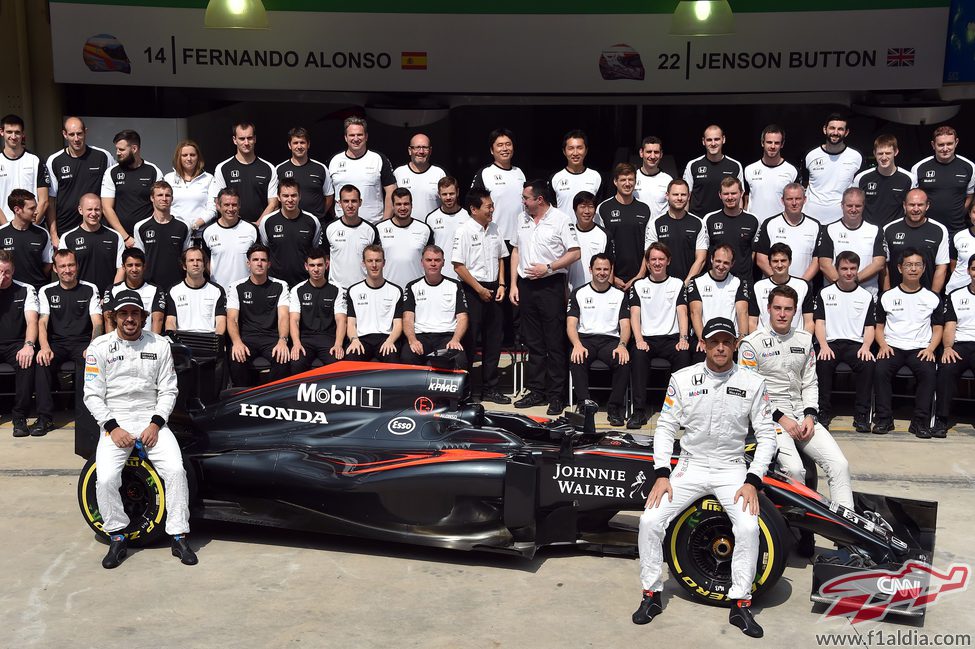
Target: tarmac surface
{"x": 258, "y": 587}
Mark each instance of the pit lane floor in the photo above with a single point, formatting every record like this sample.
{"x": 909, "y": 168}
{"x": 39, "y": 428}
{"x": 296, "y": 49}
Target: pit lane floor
{"x": 257, "y": 587}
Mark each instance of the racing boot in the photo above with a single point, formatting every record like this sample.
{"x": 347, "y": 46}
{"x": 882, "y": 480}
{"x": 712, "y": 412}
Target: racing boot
{"x": 182, "y": 550}
{"x": 741, "y": 617}
{"x": 117, "y": 551}
{"x": 649, "y": 608}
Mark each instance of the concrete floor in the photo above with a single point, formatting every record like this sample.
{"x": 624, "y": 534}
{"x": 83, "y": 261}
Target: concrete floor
{"x": 272, "y": 588}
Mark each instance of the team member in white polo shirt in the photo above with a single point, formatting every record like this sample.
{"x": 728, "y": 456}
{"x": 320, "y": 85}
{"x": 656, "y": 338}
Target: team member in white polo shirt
{"x": 346, "y": 238}
{"x": 420, "y": 177}
{"x": 959, "y": 348}
{"x": 856, "y": 235}
{"x": 718, "y": 294}
{"x": 575, "y": 177}
{"x": 20, "y": 169}
{"x": 375, "y": 312}
{"x": 403, "y": 239}
{"x": 829, "y": 169}
{"x": 434, "y": 312}
{"x": 792, "y": 227}
{"x": 592, "y": 238}
{"x": 227, "y": 240}
{"x": 652, "y": 183}
{"x": 196, "y": 304}
{"x": 368, "y": 171}
{"x": 445, "y": 220}
{"x": 767, "y": 177}
{"x": 962, "y": 247}
{"x": 781, "y": 262}
{"x": 504, "y": 181}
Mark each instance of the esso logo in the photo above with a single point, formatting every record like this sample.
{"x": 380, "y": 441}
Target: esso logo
{"x": 401, "y": 426}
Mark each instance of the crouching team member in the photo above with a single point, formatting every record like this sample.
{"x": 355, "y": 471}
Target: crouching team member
{"x": 709, "y": 396}
{"x": 785, "y": 357}
{"x": 130, "y": 390}
{"x": 375, "y": 312}
{"x": 434, "y": 312}
{"x": 317, "y": 331}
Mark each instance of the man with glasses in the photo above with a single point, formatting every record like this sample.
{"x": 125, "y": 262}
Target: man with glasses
{"x": 420, "y": 177}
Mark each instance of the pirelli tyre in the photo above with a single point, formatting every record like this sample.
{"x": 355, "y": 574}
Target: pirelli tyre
{"x": 143, "y": 498}
{"x": 699, "y": 544}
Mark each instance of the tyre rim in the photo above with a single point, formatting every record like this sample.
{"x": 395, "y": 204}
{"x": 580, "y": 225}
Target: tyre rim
{"x": 711, "y": 547}
{"x": 135, "y": 498}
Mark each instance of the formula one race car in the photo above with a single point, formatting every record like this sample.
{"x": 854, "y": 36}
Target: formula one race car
{"x": 393, "y": 452}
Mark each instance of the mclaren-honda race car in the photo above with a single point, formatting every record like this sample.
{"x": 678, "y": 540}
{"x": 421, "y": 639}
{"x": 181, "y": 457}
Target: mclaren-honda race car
{"x": 394, "y": 452}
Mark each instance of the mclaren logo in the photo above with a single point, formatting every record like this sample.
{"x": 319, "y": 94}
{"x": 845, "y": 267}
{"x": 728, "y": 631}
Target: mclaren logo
{"x": 282, "y": 414}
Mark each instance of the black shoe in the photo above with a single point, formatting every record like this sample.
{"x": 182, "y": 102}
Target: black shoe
{"x": 529, "y": 400}
{"x": 649, "y": 609}
{"x": 41, "y": 427}
{"x": 496, "y": 397}
{"x": 741, "y": 617}
{"x": 555, "y": 407}
{"x": 637, "y": 420}
{"x": 806, "y": 546}
{"x": 861, "y": 426}
{"x": 615, "y": 416}
{"x": 183, "y": 552}
{"x": 919, "y": 430}
{"x": 940, "y": 428}
{"x": 882, "y": 429}
{"x": 20, "y": 428}
{"x": 117, "y": 551}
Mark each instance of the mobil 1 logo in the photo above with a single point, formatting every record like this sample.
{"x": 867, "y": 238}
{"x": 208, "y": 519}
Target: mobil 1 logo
{"x": 349, "y": 396}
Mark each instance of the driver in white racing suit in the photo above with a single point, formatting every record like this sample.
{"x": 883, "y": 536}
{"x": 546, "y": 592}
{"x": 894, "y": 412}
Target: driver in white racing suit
{"x": 714, "y": 401}
{"x": 130, "y": 390}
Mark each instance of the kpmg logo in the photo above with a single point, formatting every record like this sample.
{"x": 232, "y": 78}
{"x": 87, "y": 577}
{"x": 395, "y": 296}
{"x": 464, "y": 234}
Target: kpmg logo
{"x": 448, "y": 384}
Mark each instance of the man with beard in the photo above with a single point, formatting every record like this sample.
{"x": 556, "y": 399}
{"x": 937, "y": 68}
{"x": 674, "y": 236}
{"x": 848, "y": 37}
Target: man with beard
{"x": 682, "y": 232}
{"x": 127, "y": 186}
{"x": 766, "y": 178}
{"x": 829, "y": 169}
{"x": 734, "y": 227}
{"x": 403, "y": 239}
{"x": 420, "y": 177}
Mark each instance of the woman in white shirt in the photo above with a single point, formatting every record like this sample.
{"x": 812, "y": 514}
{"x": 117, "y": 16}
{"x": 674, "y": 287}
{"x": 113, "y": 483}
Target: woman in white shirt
{"x": 191, "y": 186}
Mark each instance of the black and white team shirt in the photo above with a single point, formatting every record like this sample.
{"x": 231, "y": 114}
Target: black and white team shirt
{"x": 764, "y": 185}
{"x": 960, "y": 309}
{"x": 444, "y": 227}
{"x": 163, "y": 244}
{"x": 196, "y": 309}
{"x": 908, "y": 318}
{"x": 422, "y": 186}
{"x": 15, "y": 301}
{"x": 866, "y": 240}
{"x": 930, "y": 239}
{"x": 479, "y": 250}
{"x": 69, "y": 311}
{"x": 567, "y": 184}
{"x": 153, "y": 299}
{"x": 683, "y": 237}
{"x": 626, "y": 227}
{"x": 434, "y": 306}
{"x": 736, "y": 231}
{"x": 505, "y": 186}
{"x": 961, "y": 250}
{"x": 403, "y": 246}
{"x": 315, "y": 306}
{"x": 704, "y": 179}
{"x": 98, "y": 253}
{"x": 829, "y": 175}
{"x": 31, "y": 249}
{"x": 599, "y": 312}
{"x": 374, "y": 309}
{"x": 71, "y": 178}
{"x": 227, "y": 249}
{"x": 652, "y": 190}
{"x": 289, "y": 241}
{"x": 947, "y": 186}
{"x": 758, "y": 302}
{"x": 802, "y": 238}
{"x": 658, "y": 302}
{"x": 591, "y": 242}
{"x": 314, "y": 184}
{"x": 845, "y": 313}
{"x": 26, "y": 171}
{"x": 718, "y": 298}
{"x": 884, "y": 194}
{"x": 345, "y": 244}
{"x": 546, "y": 241}
{"x": 257, "y": 305}
{"x": 369, "y": 173}
{"x": 256, "y": 182}
{"x": 131, "y": 187}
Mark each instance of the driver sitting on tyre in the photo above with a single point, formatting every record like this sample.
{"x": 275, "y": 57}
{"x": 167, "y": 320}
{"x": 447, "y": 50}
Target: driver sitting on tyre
{"x": 130, "y": 390}
{"x": 714, "y": 401}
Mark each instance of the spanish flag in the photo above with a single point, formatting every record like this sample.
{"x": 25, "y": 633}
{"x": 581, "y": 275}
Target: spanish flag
{"x": 413, "y": 60}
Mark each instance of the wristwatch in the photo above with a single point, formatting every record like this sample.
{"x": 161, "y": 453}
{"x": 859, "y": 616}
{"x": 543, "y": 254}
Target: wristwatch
{"x": 548, "y": 268}
{"x": 30, "y": 343}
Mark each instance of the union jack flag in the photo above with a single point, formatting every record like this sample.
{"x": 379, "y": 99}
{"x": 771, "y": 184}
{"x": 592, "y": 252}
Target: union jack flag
{"x": 900, "y": 57}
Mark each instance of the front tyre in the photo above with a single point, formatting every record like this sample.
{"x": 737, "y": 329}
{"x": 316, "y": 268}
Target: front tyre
{"x": 699, "y": 545}
{"x": 143, "y": 498}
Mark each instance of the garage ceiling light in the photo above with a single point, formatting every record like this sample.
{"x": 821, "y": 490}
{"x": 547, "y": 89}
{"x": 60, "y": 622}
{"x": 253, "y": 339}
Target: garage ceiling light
{"x": 702, "y": 18}
{"x": 236, "y": 14}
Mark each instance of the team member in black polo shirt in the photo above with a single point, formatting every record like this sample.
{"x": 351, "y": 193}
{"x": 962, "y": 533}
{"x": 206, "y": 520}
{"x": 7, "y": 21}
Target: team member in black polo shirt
{"x": 660, "y": 324}
{"x": 545, "y": 246}
{"x": 375, "y": 312}
{"x": 29, "y": 244}
{"x": 853, "y": 234}
{"x": 598, "y": 326}
{"x": 625, "y": 220}
{"x": 126, "y": 186}
{"x": 346, "y": 239}
{"x": 791, "y": 227}
{"x": 74, "y": 171}
{"x": 959, "y": 348}
{"x": 886, "y": 185}
{"x": 317, "y": 331}
{"x": 478, "y": 258}
{"x": 910, "y": 321}
{"x": 163, "y": 238}
{"x": 258, "y": 320}
{"x": 845, "y": 320}
{"x": 434, "y": 312}
{"x": 735, "y": 227}
{"x": 196, "y": 304}
{"x": 134, "y": 279}
{"x": 780, "y": 256}
{"x": 18, "y": 338}
{"x": 97, "y": 249}
{"x": 682, "y": 233}
{"x": 918, "y": 232}
{"x": 705, "y": 175}
{"x": 948, "y": 179}
{"x": 70, "y": 317}
{"x": 314, "y": 181}
{"x": 289, "y": 233}
{"x": 254, "y": 178}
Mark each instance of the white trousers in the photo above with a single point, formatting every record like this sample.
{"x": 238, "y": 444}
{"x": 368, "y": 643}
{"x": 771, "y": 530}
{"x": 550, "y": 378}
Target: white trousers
{"x": 690, "y": 480}
{"x": 825, "y": 452}
{"x": 166, "y": 457}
